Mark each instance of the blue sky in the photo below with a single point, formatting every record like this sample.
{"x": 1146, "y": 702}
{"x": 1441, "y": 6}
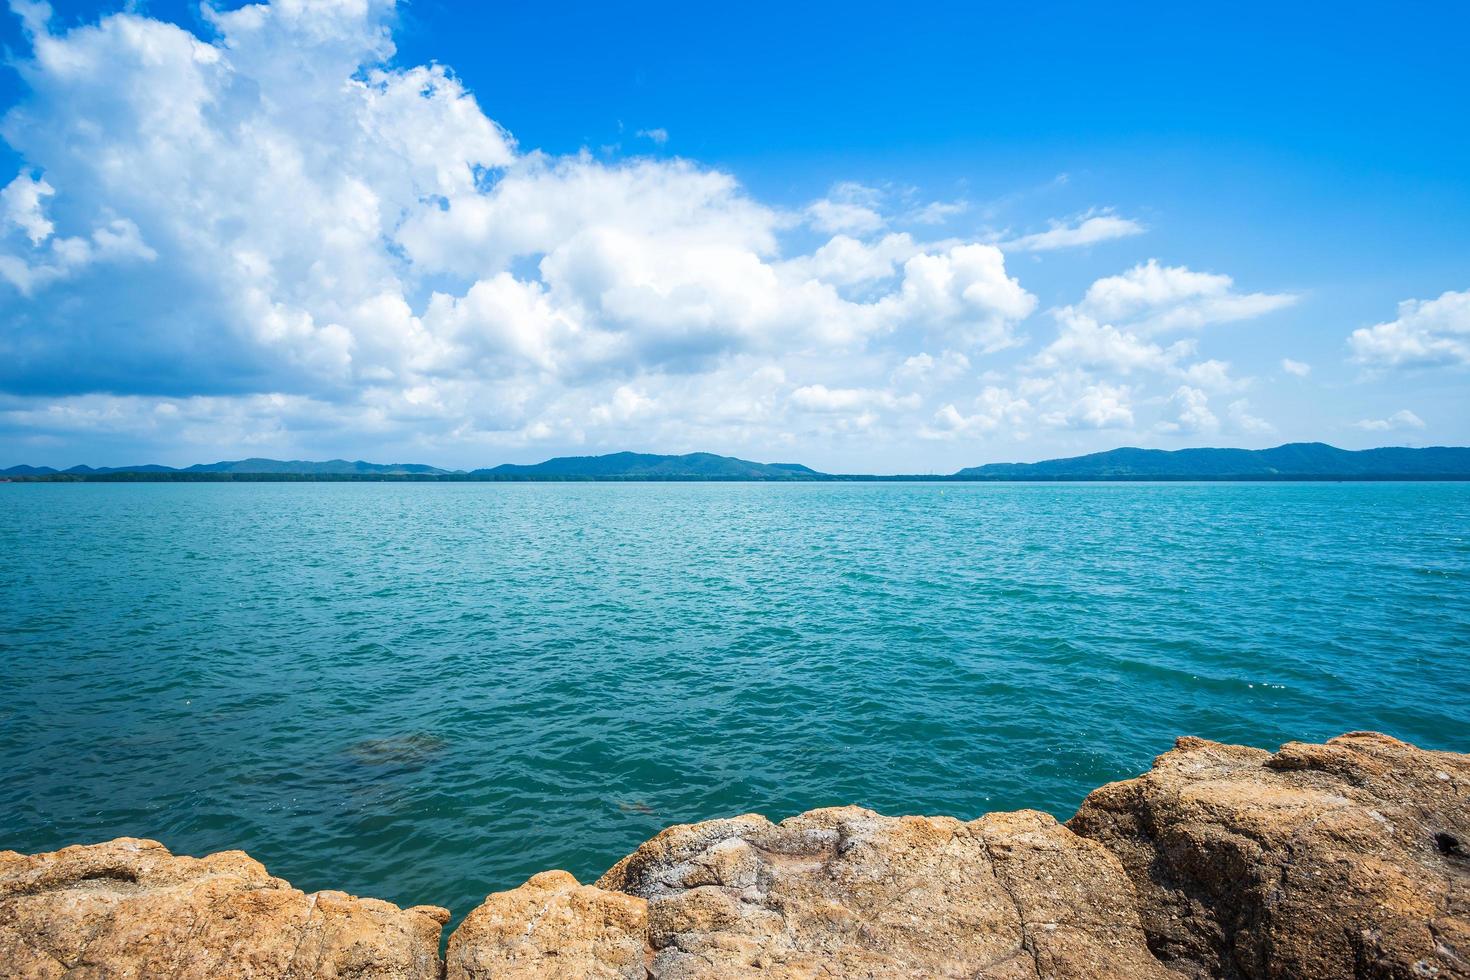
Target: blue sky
{"x": 465, "y": 234}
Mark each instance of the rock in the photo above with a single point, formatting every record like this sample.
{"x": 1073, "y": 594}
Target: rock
{"x": 549, "y": 926}
{"x": 128, "y": 908}
{"x": 1344, "y": 860}
{"x": 1320, "y": 861}
{"x": 848, "y": 893}
{"x": 412, "y": 751}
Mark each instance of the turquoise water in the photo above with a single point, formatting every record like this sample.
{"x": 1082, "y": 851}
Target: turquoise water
{"x": 429, "y": 692}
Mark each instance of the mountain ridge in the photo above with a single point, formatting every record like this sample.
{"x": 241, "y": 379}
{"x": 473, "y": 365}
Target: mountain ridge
{"x": 1290, "y": 461}
{"x": 253, "y": 465}
{"x": 652, "y": 466}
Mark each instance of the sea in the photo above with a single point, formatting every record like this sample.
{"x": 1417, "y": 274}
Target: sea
{"x": 429, "y": 692}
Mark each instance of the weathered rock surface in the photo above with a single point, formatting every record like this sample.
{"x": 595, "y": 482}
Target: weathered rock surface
{"x": 552, "y": 926}
{"x": 846, "y": 892}
{"x": 129, "y": 908}
{"x": 1350, "y": 859}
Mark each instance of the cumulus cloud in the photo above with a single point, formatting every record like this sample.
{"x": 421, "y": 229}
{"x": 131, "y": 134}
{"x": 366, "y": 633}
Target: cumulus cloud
{"x": 50, "y": 258}
{"x": 21, "y": 203}
{"x": 627, "y": 403}
{"x": 938, "y": 212}
{"x": 1191, "y": 413}
{"x": 1088, "y": 229}
{"x": 820, "y": 398}
{"x": 275, "y": 209}
{"x": 1152, "y": 298}
{"x": 848, "y": 207}
{"x": 963, "y": 293}
{"x": 1100, "y": 406}
{"x": 1214, "y": 375}
{"x": 993, "y": 409}
{"x": 1398, "y": 421}
{"x": 1115, "y": 326}
{"x": 1427, "y": 333}
{"x": 1299, "y": 368}
{"x": 1107, "y": 354}
{"x": 1085, "y": 342}
{"x": 1244, "y": 422}
{"x": 847, "y": 261}
{"x": 1078, "y": 402}
{"x": 926, "y": 368}
{"x": 271, "y": 228}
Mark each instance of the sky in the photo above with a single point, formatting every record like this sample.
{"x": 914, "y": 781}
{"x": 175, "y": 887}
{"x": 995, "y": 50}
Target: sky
{"x": 864, "y": 239}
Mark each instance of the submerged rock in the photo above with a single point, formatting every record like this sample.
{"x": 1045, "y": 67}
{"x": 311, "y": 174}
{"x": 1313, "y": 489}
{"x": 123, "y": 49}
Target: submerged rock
{"x": 1350, "y": 859}
{"x": 1320, "y": 861}
{"x": 129, "y": 908}
{"x": 402, "y": 750}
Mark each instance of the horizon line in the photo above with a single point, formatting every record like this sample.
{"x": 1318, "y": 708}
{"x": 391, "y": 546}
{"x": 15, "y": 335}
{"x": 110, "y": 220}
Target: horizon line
{"x": 794, "y": 471}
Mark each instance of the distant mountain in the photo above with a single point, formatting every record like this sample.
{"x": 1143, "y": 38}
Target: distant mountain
{"x": 145, "y": 468}
{"x": 647, "y": 466}
{"x": 1297, "y": 460}
{"x": 331, "y": 466}
{"x": 1294, "y": 461}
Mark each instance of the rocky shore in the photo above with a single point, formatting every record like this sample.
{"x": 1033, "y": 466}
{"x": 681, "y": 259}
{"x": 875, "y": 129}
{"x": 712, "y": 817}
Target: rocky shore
{"x": 1349, "y": 859}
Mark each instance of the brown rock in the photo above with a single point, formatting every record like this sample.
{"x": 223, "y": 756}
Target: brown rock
{"x": 1348, "y": 859}
{"x": 128, "y": 908}
{"x": 551, "y": 926}
{"x": 848, "y": 893}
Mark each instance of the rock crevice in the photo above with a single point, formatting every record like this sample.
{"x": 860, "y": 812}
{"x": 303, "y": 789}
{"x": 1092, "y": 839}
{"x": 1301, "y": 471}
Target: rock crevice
{"x": 1347, "y": 859}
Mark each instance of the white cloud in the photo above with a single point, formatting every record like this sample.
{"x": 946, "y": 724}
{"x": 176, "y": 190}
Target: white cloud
{"x": 1192, "y": 413}
{"x": 274, "y": 230}
{"x": 846, "y": 261}
{"x": 835, "y": 216}
{"x": 820, "y": 398}
{"x": 1213, "y": 375}
{"x": 21, "y": 207}
{"x": 296, "y": 217}
{"x": 1427, "y": 333}
{"x": 1095, "y": 406}
{"x": 627, "y": 403}
{"x": 1083, "y": 341}
{"x": 938, "y": 212}
{"x": 1078, "y": 379}
{"x": 1088, "y": 229}
{"x": 995, "y": 408}
{"x": 925, "y": 368}
{"x": 1101, "y": 406}
{"x": 1154, "y": 299}
{"x": 962, "y": 293}
{"x": 1243, "y": 421}
{"x": 850, "y": 208}
{"x": 49, "y": 259}
{"x": 1112, "y": 328}
{"x": 1398, "y": 421}
{"x": 660, "y": 136}
{"x": 1298, "y": 368}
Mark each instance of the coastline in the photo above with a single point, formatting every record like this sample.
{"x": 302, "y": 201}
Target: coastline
{"x": 1346, "y": 859}
{"x": 824, "y": 478}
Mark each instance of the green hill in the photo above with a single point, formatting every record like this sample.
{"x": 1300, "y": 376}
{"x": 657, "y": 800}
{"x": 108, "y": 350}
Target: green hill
{"x": 1298, "y": 460}
{"x": 648, "y": 466}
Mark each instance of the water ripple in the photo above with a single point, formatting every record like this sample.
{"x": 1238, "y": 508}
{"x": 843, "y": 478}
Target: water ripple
{"x": 429, "y": 692}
